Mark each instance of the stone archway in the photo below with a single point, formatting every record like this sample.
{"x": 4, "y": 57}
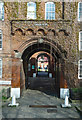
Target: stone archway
{"x": 26, "y": 50}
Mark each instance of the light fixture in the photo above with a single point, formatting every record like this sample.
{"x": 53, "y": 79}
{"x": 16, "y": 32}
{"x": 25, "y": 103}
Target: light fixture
{"x": 40, "y": 40}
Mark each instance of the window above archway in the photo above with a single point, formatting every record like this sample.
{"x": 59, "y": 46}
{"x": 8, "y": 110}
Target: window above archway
{"x": 31, "y": 10}
{"x": 1, "y": 11}
{"x": 80, "y": 11}
{"x": 49, "y": 11}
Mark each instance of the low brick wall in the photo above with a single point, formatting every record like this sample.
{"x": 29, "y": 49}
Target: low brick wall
{"x": 5, "y": 90}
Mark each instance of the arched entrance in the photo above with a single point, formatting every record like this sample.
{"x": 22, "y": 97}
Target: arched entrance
{"x": 54, "y": 50}
{"x": 55, "y": 59}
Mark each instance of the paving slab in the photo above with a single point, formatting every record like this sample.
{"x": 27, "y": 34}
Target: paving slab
{"x": 35, "y": 97}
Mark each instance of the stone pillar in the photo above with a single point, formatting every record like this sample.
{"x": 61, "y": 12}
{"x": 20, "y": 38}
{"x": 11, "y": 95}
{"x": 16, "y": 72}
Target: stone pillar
{"x": 63, "y": 83}
{"x": 26, "y": 73}
{"x": 15, "y": 83}
{"x": 57, "y": 79}
{"x": 62, "y": 75}
{"x": 55, "y": 68}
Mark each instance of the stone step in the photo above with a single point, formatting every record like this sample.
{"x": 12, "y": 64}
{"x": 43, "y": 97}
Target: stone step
{"x": 41, "y": 82}
{"x": 40, "y": 78}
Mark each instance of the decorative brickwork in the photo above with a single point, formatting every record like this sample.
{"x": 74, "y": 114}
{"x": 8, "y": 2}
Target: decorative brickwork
{"x": 21, "y": 39}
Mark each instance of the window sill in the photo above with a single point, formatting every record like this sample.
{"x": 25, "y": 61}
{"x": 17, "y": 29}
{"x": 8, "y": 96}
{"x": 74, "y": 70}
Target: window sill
{"x": 79, "y": 78}
{"x": 2, "y": 20}
{"x": 79, "y": 20}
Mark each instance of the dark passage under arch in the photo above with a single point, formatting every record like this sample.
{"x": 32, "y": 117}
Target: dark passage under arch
{"x": 52, "y": 49}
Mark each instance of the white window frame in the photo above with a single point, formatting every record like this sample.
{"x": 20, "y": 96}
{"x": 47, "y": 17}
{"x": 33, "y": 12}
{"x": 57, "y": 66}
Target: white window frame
{"x": 1, "y": 68}
{"x": 79, "y": 19}
{"x": 2, "y": 11}
{"x": 50, "y": 11}
{"x": 79, "y": 69}
{"x": 1, "y": 38}
{"x": 80, "y": 41}
{"x": 31, "y": 11}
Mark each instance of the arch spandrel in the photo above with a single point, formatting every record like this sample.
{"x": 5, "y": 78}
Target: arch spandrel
{"x": 46, "y": 45}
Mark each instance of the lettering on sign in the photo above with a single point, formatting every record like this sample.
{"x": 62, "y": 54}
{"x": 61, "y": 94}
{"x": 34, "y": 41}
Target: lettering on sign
{"x": 40, "y": 24}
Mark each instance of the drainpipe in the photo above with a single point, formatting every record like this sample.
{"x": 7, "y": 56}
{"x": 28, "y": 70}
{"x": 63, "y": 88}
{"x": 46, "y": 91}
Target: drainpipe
{"x": 63, "y": 9}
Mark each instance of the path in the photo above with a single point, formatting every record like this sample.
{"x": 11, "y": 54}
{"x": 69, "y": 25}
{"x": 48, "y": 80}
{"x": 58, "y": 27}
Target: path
{"x": 35, "y": 97}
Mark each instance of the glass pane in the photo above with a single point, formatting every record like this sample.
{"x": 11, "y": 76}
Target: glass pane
{"x": 46, "y": 15}
{"x": 50, "y": 5}
{"x": 53, "y": 9}
{"x": 81, "y": 45}
{"x": 53, "y": 5}
{"x": 32, "y": 8}
{"x": 46, "y": 9}
{"x": 0, "y": 37}
{"x": 1, "y": 11}
{"x": 80, "y": 73}
{"x": 80, "y": 10}
{"x": 0, "y": 42}
{"x": 81, "y": 36}
{"x": 0, "y": 15}
{"x": 80, "y": 15}
{"x": 53, "y": 15}
{"x": 0, "y": 45}
{"x": 1, "y": 4}
{"x": 50, "y": 11}
{"x": 0, "y": 72}
{"x": 32, "y": 16}
{"x": 80, "y": 63}
{"x": 31, "y": 11}
{"x": 80, "y": 5}
{"x": 0, "y": 68}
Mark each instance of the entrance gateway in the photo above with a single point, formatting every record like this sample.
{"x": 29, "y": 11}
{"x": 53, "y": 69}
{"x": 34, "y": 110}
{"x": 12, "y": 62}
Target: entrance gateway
{"x": 35, "y": 57}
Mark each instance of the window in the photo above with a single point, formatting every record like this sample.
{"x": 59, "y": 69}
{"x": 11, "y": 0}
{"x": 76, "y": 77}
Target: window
{"x": 80, "y": 11}
{"x": 0, "y": 40}
{"x": 80, "y": 41}
{"x": 31, "y": 10}
{"x": 0, "y": 68}
{"x": 80, "y": 69}
{"x": 49, "y": 11}
{"x": 1, "y": 11}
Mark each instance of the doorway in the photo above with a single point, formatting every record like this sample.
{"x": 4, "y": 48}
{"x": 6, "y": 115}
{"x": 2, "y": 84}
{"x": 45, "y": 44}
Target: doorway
{"x": 42, "y": 65}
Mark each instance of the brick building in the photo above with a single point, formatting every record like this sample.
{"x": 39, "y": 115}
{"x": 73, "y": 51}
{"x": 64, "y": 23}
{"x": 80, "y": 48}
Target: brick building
{"x": 28, "y": 29}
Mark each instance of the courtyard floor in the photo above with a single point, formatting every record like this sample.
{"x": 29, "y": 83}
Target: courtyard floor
{"x": 35, "y": 97}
